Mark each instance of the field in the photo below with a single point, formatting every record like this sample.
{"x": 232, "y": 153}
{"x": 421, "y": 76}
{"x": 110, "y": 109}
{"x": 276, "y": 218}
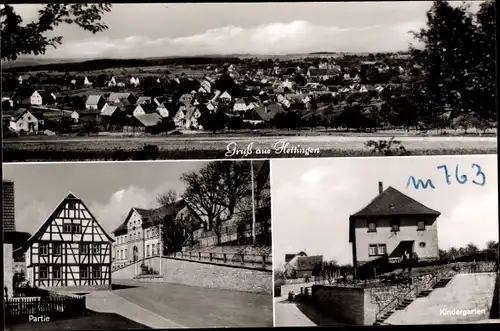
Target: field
{"x": 209, "y": 146}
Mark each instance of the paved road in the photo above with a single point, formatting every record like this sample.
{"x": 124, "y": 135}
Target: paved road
{"x": 471, "y": 292}
{"x": 111, "y": 302}
{"x": 200, "y": 307}
{"x": 288, "y": 314}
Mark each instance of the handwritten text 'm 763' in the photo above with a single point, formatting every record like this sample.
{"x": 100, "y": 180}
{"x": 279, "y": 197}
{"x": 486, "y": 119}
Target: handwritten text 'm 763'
{"x": 450, "y": 177}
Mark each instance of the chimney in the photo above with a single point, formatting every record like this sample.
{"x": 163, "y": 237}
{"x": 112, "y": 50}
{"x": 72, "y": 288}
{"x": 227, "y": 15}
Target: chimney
{"x": 380, "y": 187}
{"x": 9, "y": 220}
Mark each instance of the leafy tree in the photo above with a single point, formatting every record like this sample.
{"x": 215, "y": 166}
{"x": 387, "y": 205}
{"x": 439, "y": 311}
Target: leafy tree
{"x": 173, "y": 229}
{"x": 472, "y": 249}
{"x": 18, "y": 39}
{"x": 102, "y": 80}
{"x": 213, "y": 121}
{"x": 389, "y": 147}
{"x": 457, "y": 61}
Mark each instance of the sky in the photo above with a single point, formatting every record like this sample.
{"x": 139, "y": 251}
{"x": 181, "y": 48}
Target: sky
{"x": 183, "y": 29}
{"x": 313, "y": 199}
{"x": 108, "y": 189}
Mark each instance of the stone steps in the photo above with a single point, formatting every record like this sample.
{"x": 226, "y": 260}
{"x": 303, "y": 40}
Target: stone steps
{"x": 406, "y": 302}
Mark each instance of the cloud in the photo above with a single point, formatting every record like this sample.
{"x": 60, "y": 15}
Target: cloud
{"x": 470, "y": 213}
{"x": 112, "y": 213}
{"x": 31, "y": 216}
{"x": 274, "y": 38}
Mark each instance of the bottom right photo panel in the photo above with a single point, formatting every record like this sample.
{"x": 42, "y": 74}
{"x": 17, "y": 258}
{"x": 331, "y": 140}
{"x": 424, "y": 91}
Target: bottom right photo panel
{"x": 385, "y": 241}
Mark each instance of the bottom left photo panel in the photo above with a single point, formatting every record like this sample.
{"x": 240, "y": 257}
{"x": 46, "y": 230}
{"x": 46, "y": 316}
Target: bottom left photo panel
{"x": 119, "y": 245}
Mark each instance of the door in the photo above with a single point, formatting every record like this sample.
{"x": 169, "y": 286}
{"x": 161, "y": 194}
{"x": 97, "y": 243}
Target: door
{"x": 136, "y": 254}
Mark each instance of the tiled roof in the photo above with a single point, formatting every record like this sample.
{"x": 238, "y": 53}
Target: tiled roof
{"x": 146, "y": 215}
{"x": 392, "y": 202}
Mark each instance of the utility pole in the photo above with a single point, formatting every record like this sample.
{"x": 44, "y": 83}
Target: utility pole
{"x": 161, "y": 247}
{"x": 253, "y": 204}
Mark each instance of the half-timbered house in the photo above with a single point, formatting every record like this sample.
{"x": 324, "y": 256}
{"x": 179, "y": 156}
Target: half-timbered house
{"x": 70, "y": 249}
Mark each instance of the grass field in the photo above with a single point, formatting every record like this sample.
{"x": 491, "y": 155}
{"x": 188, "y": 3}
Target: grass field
{"x": 45, "y": 148}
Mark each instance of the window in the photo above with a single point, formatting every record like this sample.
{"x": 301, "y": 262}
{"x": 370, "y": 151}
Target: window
{"x": 420, "y": 225}
{"x": 84, "y": 272}
{"x": 377, "y": 249}
{"x": 133, "y": 236}
{"x": 67, "y": 227}
{"x": 153, "y": 252}
{"x": 395, "y": 223}
{"x": 422, "y": 244}
{"x": 96, "y": 248}
{"x": 372, "y": 226}
{"x": 139, "y": 235}
{"x": 57, "y": 249}
{"x": 71, "y": 205}
{"x": 126, "y": 253}
{"x": 96, "y": 272}
{"x": 72, "y": 228}
{"x": 147, "y": 250}
{"x": 56, "y": 272}
{"x": 43, "y": 272}
{"x": 44, "y": 249}
{"x": 84, "y": 248}
{"x": 77, "y": 228}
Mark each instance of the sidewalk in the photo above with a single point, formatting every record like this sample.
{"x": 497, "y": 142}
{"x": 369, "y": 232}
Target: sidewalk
{"x": 108, "y": 302}
{"x": 287, "y": 314}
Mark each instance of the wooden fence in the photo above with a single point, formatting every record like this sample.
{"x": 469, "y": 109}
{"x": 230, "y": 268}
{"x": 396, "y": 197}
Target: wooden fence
{"x": 39, "y": 302}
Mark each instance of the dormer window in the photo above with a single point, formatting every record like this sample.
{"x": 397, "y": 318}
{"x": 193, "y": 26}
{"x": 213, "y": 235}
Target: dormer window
{"x": 420, "y": 225}
{"x": 372, "y": 226}
{"x": 395, "y": 224}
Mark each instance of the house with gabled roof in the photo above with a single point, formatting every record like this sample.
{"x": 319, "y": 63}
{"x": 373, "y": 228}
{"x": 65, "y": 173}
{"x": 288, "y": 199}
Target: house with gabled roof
{"x": 187, "y": 117}
{"x": 69, "y": 250}
{"x": 240, "y": 105}
{"x": 113, "y": 114}
{"x": 138, "y": 236}
{"x": 301, "y": 265}
{"x": 225, "y": 97}
{"x": 24, "y": 121}
{"x": 95, "y": 101}
{"x": 392, "y": 225}
{"x": 121, "y": 98}
{"x": 142, "y": 123}
{"x": 145, "y": 108}
{"x": 263, "y": 113}
{"x": 39, "y": 98}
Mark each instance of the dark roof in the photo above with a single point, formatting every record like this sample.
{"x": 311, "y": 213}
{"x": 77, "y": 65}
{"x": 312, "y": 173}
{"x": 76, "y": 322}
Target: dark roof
{"x": 148, "y": 108}
{"x": 57, "y": 210}
{"x": 391, "y": 202}
{"x": 147, "y": 216}
{"x": 308, "y": 262}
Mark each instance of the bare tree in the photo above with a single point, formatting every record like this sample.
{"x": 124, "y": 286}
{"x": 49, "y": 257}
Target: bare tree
{"x": 203, "y": 194}
{"x": 217, "y": 191}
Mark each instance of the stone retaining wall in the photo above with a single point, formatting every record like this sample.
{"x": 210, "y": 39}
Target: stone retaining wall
{"x": 204, "y": 275}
